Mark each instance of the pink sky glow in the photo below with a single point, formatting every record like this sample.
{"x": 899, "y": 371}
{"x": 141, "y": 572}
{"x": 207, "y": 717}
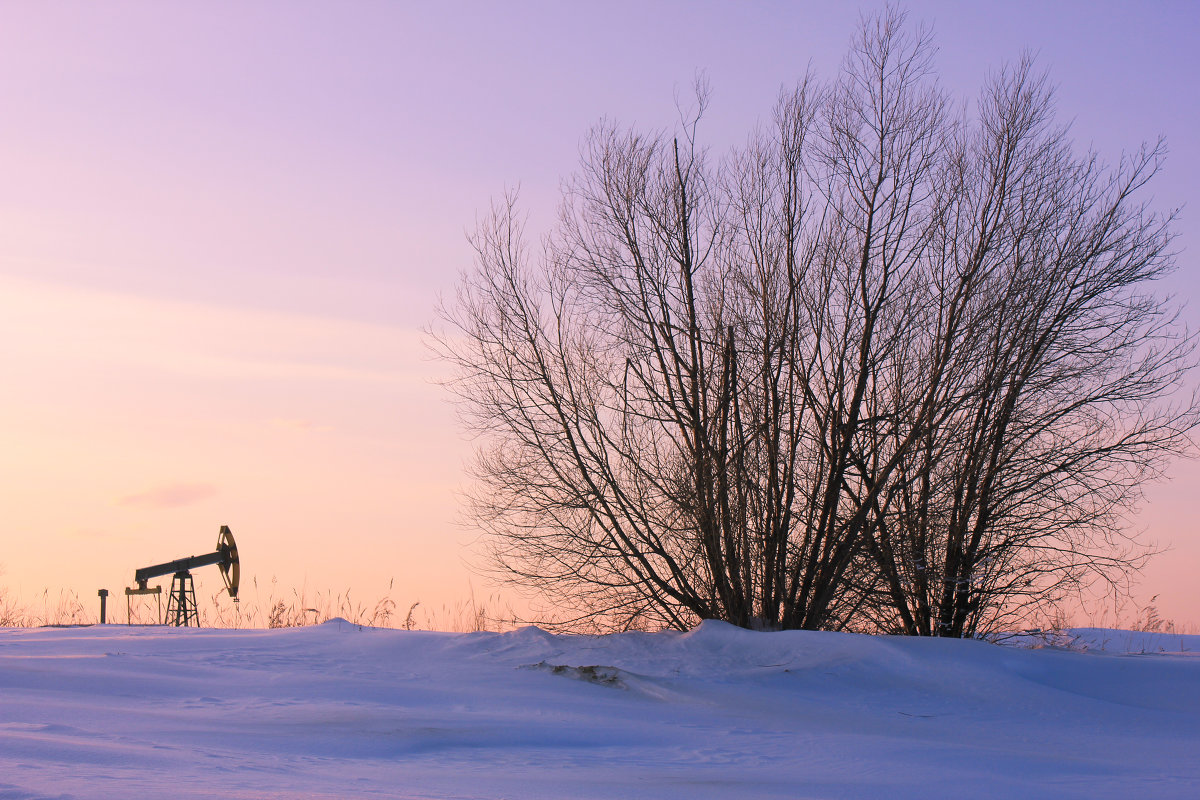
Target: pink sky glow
{"x": 224, "y": 225}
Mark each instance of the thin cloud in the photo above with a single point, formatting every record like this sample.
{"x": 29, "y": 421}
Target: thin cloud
{"x": 300, "y": 425}
{"x": 173, "y": 495}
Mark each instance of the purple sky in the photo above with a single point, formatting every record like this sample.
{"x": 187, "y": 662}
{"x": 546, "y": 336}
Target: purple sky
{"x": 223, "y": 225}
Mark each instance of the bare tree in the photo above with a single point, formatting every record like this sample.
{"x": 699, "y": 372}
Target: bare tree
{"x": 1019, "y": 495}
{"x": 880, "y": 367}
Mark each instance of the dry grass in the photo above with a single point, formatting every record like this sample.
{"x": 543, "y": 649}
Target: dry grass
{"x": 271, "y": 607}
{"x": 65, "y": 608}
{"x": 1129, "y": 616}
{"x": 1113, "y": 614}
{"x": 297, "y": 608}
{"x": 12, "y": 615}
{"x": 266, "y": 607}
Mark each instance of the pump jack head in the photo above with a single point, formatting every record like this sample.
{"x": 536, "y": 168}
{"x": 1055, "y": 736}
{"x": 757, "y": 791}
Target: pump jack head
{"x": 229, "y": 565}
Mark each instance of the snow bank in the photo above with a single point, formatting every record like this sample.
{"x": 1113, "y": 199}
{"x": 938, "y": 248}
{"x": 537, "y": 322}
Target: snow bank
{"x": 337, "y": 711}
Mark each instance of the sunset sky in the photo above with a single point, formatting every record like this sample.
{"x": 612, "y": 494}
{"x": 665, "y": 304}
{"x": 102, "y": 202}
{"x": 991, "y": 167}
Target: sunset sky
{"x": 224, "y": 225}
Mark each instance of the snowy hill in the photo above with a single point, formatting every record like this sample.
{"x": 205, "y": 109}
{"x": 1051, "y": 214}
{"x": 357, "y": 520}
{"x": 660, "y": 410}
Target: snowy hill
{"x": 335, "y": 711}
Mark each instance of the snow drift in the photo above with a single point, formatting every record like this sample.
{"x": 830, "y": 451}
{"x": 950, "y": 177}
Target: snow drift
{"x": 338, "y": 711}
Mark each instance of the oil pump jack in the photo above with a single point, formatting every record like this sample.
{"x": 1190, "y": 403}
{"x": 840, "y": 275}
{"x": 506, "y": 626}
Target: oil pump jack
{"x": 181, "y": 605}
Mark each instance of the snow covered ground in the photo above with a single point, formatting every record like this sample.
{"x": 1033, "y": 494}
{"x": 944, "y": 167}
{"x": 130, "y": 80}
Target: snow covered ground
{"x": 335, "y": 711}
